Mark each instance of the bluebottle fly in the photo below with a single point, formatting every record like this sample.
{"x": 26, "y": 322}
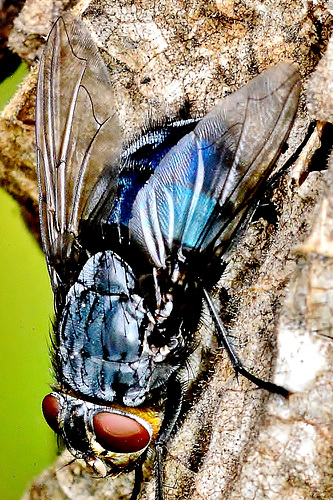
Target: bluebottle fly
{"x": 133, "y": 239}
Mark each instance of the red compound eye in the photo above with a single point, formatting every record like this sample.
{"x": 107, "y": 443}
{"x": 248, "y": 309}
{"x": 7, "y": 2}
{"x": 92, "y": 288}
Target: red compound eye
{"x": 119, "y": 433}
{"x": 51, "y": 407}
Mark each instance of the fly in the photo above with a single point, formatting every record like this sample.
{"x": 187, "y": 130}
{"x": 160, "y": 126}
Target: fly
{"x": 133, "y": 239}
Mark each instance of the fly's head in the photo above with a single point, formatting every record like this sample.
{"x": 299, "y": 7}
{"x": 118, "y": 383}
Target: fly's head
{"x": 109, "y": 439}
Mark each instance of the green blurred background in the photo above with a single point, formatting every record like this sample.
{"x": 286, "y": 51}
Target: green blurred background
{"x": 27, "y": 445}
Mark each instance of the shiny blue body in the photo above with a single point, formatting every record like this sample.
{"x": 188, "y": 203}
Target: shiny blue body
{"x": 133, "y": 237}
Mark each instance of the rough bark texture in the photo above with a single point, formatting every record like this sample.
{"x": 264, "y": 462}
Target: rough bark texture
{"x": 276, "y": 295}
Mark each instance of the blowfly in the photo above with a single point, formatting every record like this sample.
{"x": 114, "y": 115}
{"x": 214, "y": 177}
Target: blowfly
{"x": 133, "y": 238}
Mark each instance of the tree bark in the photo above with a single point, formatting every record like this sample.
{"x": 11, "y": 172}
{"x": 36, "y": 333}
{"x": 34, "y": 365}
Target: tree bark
{"x": 276, "y": 294}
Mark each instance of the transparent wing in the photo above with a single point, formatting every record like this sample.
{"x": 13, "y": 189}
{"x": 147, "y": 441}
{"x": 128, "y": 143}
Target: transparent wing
{"x": 202, "y": 187}
{"x": 77, "y": 137}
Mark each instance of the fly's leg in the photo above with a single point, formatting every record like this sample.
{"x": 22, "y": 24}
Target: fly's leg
{"x": 236, "y": 363}
{"x": 137, "y": 481}
{"x": 159, "y": 471}
{"x": 173, "y": 406}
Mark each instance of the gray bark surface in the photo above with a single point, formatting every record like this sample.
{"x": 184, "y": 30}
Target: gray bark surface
{"x": 276, "y": 294}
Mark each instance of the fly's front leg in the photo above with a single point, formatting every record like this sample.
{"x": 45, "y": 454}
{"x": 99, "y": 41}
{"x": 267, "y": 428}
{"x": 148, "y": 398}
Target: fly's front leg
{"x": 236, "y": 363}
{"x": 138, "y": 480}
{"x": 173, "y": 406}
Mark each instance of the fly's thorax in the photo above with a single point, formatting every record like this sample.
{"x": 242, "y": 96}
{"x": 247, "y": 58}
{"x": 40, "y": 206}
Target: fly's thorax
{"x": 106, "y": 437}
{"x": 99, "y": 331}
{"x": 112, "y": 345}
